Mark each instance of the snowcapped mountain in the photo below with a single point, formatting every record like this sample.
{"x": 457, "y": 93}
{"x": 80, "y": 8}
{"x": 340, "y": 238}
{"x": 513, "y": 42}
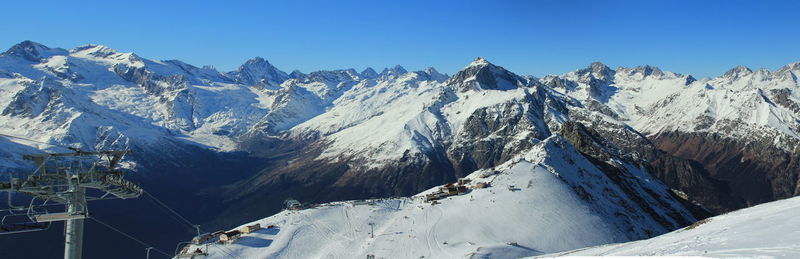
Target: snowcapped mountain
{"x": 550, "y": 198}
{"x": 84, "y": 95}
{"x": 304, "y": 97}
{"x": 741, "y": 128}
{"x": 369, "y": 73}
{"x": 723, "y": 143}
{"x": 259, "y": 72}
{"x": 404, "y": 134}
{"x": 438, "y": 126}
{"x": 765, "y": 231}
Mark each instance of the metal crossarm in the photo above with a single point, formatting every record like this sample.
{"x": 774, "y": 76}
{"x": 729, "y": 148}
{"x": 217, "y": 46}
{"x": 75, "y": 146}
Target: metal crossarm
{"x": 63, "y": 178}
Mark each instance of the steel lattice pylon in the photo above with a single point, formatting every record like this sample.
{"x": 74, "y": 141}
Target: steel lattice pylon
{"x": 63, "y": 178}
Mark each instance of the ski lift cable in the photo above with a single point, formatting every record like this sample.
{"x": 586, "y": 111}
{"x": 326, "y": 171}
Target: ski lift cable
{"x": 168, "y": 208}
{"x": 222, "y": 249}
{"x": 170, "y": 215}
{"x": 129, "y": 236}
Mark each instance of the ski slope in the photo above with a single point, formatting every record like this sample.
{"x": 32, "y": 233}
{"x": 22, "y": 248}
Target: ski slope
{"x": 530, "y": 208}
{"x": 770, "y": 230}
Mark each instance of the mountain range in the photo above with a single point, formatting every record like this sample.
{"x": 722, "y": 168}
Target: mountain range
{"x": 637, "y": 146}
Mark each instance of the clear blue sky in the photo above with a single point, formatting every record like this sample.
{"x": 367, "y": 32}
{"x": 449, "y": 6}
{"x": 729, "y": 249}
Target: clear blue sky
{"x": 703, "y": 38}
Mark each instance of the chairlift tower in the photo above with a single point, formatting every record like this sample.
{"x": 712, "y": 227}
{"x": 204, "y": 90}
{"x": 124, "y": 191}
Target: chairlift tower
{"x": 63, "y": 178}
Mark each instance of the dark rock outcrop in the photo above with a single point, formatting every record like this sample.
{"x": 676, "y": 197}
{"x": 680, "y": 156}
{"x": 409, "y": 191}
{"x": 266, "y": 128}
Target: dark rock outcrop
{"x": 748, "y": 173}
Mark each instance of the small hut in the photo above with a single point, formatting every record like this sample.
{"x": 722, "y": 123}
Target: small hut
{"x": 433, "y": 196}
{"x": 230, "y": 236}
{"x": 251, "y": 228}
{"x": 450, "y": 189}
{"x": 292, "y": 204}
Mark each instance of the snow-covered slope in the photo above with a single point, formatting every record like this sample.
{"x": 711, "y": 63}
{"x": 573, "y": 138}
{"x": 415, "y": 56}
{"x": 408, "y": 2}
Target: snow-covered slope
{"x": 214, "y": 108}
{"x": 77, "y": 97}
{"x": 769, "y": 230}
{"x": 64, "y": 97}
{"x": 67, "y": 97}
{"x": 735, "y": 136}
{"x": 741, "y": 103}
{"x": 549, "y": 199}
{"x": 345, "y": 131}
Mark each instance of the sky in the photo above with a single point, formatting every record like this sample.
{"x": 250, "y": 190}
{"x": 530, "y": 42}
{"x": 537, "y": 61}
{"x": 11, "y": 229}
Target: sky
{"x": 702, "y": 38}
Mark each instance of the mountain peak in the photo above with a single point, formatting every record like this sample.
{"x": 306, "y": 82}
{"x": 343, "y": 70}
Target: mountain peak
{"x": 738, "y": 71}
{"x": 482, "y": 75}
{"x": 256, "y": 61}
{"x": 395, "y": 71}
{"x": 648, "y": 70}
{"x": 399, "y": 68}
{"x": 30, "y": 50}
{"x": 794, "y": 66}
{"x": 258, "y": 71}
{"x": 597, "y": 70}
{"x": 431, "y": 70}
{"x": 93, "y": 48}
{"x": 431, "y": 73}
{"x": 369, "y": 73}
{"x": 790, "y": 71}
{"x": 479, "y": 61}
{"x": 597, "y": 66}
{"x": 29, "y": 45}
{"x": 296, "y": 74}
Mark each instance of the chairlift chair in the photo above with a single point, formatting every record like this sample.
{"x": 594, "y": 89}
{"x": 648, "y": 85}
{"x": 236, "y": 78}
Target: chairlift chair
{"x": 13, "y": 223}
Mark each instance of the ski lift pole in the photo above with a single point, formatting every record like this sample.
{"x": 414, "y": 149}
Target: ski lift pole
{"x": 148, "y": 251}
{"x": 197, "y": 227}
{"x": 73, "y": 234}
{"x": 372, "y": 229}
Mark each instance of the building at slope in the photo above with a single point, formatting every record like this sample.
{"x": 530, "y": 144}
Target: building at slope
{"x": 550, "y": 199}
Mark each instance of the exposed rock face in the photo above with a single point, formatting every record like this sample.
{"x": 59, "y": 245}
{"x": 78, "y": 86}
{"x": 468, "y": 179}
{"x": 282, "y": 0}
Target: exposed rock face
{"x": 37, "y": 98}
{"x": 260, "y": 72}
{"x": 678, "y": 173}
{"x": 492, "y": 135}
{"x": 750, "y": 173}
{"x": 481, "y": 74}
{"x": 601, "y": 153}
{"x": 782, "y": 97}
{"x": 709, "y": 138}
